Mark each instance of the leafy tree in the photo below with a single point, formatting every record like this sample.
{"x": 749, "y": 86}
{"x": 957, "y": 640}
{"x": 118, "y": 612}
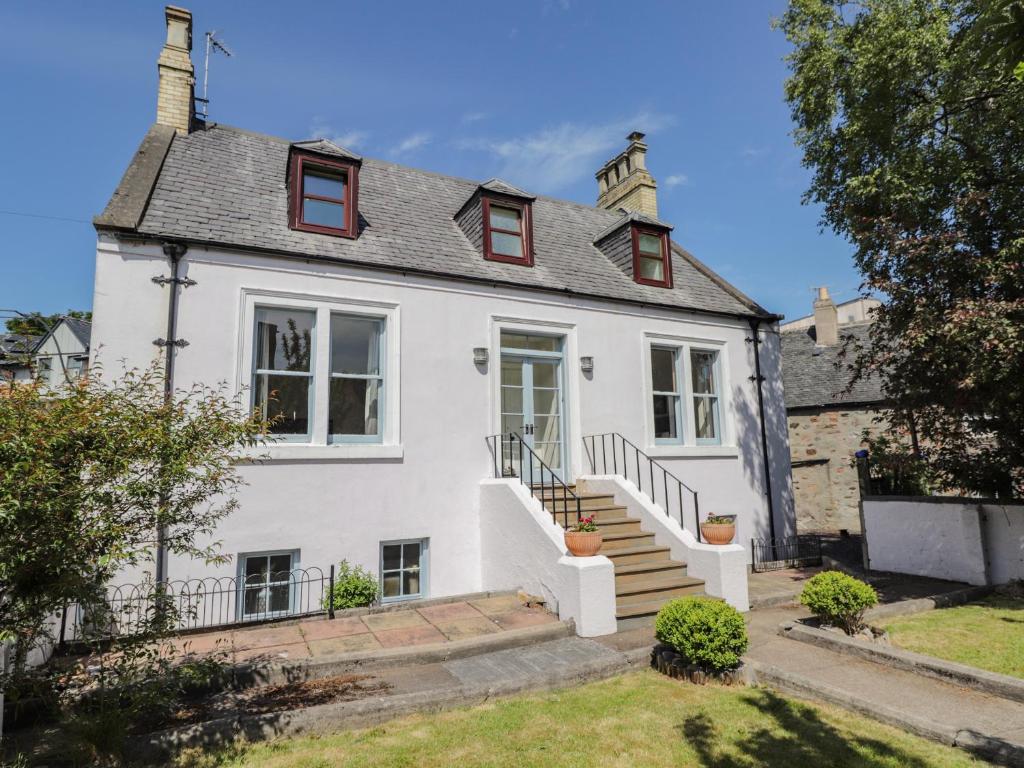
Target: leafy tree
{"x": 911, "y": 119}
{"x": 87, "y": 478}
{"x": 38, "y": 324}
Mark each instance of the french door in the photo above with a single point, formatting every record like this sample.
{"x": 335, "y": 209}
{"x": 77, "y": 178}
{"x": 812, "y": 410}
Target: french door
{"x": 532, "y": 406}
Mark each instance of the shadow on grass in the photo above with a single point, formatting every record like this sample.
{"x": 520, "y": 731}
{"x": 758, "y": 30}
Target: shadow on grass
{"x": 796, "y": 736}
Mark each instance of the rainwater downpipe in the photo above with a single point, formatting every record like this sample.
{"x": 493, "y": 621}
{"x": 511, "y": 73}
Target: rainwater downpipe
{"x": 759, "y": 380}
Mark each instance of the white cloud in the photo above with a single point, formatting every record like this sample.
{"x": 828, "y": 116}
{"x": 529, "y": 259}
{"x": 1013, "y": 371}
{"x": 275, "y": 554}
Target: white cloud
{"x": 411, "y": 143}
{"x": 347, "y": 139}
{"x": 555, "y": 157}
{"x": 677, "y": 180}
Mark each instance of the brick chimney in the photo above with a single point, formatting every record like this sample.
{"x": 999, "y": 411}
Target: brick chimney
{"x": 624, "y": 182}
{"x": 826, "y": 320}
{"x": 175, "y": 103}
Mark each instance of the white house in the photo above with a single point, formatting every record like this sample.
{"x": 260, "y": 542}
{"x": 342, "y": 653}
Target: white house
{"x": 62, "y": 355}
{"x": 394, "y": 319}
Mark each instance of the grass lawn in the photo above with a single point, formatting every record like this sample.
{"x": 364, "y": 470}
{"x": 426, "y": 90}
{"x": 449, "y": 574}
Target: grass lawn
{"x": 988, "y": 634}
{"x": 641, "y": 719}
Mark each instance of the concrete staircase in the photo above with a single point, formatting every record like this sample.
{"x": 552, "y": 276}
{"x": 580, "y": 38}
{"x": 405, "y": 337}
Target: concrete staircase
{"x": 645, "y": 575}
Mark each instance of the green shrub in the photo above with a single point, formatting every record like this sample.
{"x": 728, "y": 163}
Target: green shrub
{"x": 703, "y": 630}
{"x": 838, "y": 599}
{"x": 354, "y": 587}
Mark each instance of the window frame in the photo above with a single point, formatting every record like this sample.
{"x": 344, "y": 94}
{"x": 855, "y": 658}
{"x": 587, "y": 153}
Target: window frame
{"x": 716, "y": 396}
{"x": 424, "y": 569}
{"x": 525, "y": 209}
{"x": 301, "y": 163}
{"x": 666, "y": 256}
{"x": 381, "y": 376}
{"x": 679, "y": 395}
{"x": 288, "y": 437}
{"x": 241, "y": 586}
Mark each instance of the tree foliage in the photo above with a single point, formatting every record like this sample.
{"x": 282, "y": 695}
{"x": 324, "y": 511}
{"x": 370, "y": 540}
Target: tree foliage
{"x": 89, "y": 475}
{"x": 38, "y": 324}
{"x": 909, "y": 114}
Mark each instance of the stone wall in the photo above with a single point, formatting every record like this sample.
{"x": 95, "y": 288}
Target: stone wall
{"x": 822, "y": 443}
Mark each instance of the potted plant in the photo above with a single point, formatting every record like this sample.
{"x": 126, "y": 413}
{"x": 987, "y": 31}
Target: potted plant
{"x": 718, "y": 529}
{"x": 583, "y": 539}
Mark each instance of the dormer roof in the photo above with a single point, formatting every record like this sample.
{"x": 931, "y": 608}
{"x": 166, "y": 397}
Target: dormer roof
{"x": 632, "y": 217}
{"x": 504, "y": 188}
{"x": 328, "y": 148}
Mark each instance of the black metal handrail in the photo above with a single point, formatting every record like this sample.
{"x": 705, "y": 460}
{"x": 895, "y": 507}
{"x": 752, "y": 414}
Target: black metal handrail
{"x": 632, "y": 462}
{"x": 508, "y": 452}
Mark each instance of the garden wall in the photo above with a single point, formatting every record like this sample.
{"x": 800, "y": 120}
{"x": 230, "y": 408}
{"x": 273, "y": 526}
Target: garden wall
{"x": 978, "y": 541}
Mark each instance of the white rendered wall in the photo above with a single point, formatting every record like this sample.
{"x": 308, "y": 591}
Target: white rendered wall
{"x": 332, "y": 502}
{"x": 956, "y": 539}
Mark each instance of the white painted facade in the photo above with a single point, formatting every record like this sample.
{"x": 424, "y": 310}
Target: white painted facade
{"x": 60, "y": 357}
{"x": 332, "y": 501}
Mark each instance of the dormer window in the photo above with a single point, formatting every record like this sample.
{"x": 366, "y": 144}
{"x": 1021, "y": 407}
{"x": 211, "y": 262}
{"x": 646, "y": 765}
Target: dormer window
{"x": 507, "y": 230}
{"x": 651, "y": 262}
{"x": 323, "y": 195}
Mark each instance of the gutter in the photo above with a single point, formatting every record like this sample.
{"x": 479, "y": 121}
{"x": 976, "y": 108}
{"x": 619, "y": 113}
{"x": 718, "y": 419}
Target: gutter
{"x": 759, "y": 379}
{"x": 253, "y": 249}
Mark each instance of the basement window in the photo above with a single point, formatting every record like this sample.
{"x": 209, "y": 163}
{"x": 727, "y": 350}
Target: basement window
{"x": 651, "y": 262}
{"x": 323, "y": 195}
{"x": 507, "y": 231}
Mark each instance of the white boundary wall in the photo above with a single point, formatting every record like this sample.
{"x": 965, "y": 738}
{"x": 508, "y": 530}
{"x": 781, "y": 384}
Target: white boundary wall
{"x": 722, "y": 568}
{"x": 521, "y": 548}
{"x": 973, "y": 540}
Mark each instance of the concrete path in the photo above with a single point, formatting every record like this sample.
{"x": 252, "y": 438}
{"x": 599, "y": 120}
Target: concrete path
{"x": 941, "y": 711}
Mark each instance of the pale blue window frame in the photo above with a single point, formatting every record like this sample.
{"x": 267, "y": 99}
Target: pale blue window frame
{"x": 715, "y": 397}
{"x": 241, "y": 586}
{"x": 311, "y": 374}
{"x": 423, "y": 572}
{"x": 380, "y": 377}
{"x": 677, "y": 395}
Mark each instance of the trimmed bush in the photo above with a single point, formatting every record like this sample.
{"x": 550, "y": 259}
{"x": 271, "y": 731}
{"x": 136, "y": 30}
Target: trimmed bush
{"x": 704, "y": 631}
{"x": 839, "y": 600}
{"x": 354, "y": 587}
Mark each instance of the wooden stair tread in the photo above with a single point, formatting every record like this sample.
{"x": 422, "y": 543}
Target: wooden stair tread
{"x": 641, "y": 550}
{"x": 625, "y": 535}
{"x": 617, "y": 521}
{"x": 658, "y": 584}
{"x": 639, "y": 609}
{"x": 653, "y": 565}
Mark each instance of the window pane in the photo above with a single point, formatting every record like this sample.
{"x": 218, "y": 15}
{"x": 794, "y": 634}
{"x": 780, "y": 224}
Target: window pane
{"x": 666, "y": 424}
{"x": 280, "y": 567}
{"x": 663, "y": 369}
{"x": 702, "y": 365}
{"x": 284, "y": 400}
{"x": 255, "y": 570}
{"x": 545, "y": 402}
{"x": 411, "y": 554}
{"x": 391, "y": 585}
{"x": 650, "y": 244}
{"x": 511, "y": 370}
{"x": 392, "y": 557}
{"x": 512, "y": 400}
{"x": 279, "y": 598}
{"x": 545, "y": 375}
{"x": 546, "y": 429}
{"x": 505, "y": 218}
{"x": 354, "y": 407}
{"x": 652, "y": 269}
{"x": 705, "y": 421}
{"x": 525, "y": 341}
{"x": 507, "y": 245}
{"x": 550, "y": 454}
{"x": 284, "y": 338}
{"x": 323, "y": 214}
{"x": 254, "y": 601}
{"x": 324, "y": 185}
{"x": 411, "y": 585}
{"x": 355, "y": 344}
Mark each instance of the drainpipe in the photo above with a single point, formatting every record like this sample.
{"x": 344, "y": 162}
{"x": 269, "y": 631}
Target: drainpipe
{"x": 174, "y": 253}
{"x": 759, "y": 379}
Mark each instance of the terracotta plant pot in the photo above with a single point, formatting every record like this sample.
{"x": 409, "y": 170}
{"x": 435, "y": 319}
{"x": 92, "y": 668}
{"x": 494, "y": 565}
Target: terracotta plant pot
{"x": 583, "y": 544}
{"x": 717, "y": 533}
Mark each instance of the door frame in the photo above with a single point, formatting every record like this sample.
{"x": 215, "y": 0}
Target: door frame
{"x": 571, "y": 428}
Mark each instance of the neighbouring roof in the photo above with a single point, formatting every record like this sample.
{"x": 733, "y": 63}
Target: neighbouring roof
{"x": 14, "y": 347}
{"x": 223, "y": 186}
{"x": 811, "y": 377}
{"x": 81, "y": 328}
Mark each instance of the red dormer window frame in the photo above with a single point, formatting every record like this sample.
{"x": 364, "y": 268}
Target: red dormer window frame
{"x": 301, "y": 163}
{"x": 525, "y": 225}
{"x": 666, "y": 258}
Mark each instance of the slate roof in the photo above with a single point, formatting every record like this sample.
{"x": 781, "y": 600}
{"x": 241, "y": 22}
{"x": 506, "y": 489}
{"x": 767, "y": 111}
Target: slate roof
{"x": 81, "y": 328}
{"x": 224, "y": 186}
{"x": 14, "y": 347}
{"x": 504, "y": 188}
{"x": 810, "y": 377}
{"x": 326, "y": 147}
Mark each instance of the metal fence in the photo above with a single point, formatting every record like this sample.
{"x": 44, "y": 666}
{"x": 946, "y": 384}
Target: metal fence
{"x": 207, "y": 603}
{"x": 787, "y": 552}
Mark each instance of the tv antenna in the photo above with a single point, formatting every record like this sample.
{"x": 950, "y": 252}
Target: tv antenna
{"x": 215, "y": 45}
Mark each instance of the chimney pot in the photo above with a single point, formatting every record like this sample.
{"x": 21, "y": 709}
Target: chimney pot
{"x": 624, "y": 181}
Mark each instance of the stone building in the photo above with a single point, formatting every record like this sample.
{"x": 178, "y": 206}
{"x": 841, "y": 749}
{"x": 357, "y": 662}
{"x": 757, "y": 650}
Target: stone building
{"x": 826, "y": 422}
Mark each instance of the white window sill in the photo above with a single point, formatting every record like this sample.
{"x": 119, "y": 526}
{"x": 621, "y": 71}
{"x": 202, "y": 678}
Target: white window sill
{"x": 334, "y": 452}
{"x": 689, "y": 451}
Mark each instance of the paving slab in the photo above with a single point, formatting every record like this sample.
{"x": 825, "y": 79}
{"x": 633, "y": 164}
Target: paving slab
{"x": 332, "y": 646}
{"x": 524, "y": 617}
{"x": 341, "y": 627}
{"x": 289, "y": 651}
{"x": 449, "y": 612}
{"x": 460, "y": 629}
{"x": 491, "y": 606}
{"x": 401, "y": 637}
{"x": 381, "y": 622}
{"x": 265, "y": 637}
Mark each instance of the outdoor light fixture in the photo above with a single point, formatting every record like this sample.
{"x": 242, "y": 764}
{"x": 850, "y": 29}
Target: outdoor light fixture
{"x": 480, "y": 355}
{"x": 587, "y": 364}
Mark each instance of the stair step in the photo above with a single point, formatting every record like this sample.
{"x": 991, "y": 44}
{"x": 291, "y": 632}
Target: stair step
{"x": 629, "y": 573}
{"x": 640, "y": 554}
{"x": 657, "y": 583}
{"x": 644, "y": 592}
{"x": 618, "y": 525}
{"x": 625, "y": 539}
{"x": 633, "y": 610}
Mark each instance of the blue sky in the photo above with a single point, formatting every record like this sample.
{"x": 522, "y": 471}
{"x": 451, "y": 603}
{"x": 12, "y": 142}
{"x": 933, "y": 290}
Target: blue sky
{"x": 539, "y": 92}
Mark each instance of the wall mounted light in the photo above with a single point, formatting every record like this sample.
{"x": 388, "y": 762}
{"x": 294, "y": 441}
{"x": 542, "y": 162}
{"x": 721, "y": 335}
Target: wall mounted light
{"x": 587, "y": 364}
{"x": 480, "y": 355}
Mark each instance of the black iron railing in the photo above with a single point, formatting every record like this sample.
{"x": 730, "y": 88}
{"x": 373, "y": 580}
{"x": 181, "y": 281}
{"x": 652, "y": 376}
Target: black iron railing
{"x": 611, "y": 453}
{"x": 515, "y": 458}
{"x": 788, "y": 552}
{"x": 198, "y": 604}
